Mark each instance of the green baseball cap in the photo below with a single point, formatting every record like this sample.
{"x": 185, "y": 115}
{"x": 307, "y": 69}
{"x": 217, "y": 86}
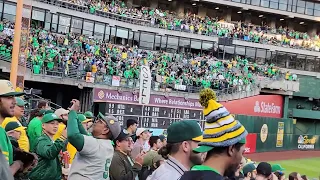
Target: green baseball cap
{"x": 277, "y": 167}
{"x": 248, "y": 168}
{"x": 184, "y": 130}
{"x": 14, "y": 126}
{"x": 50, "y": 117}
{"x": 151, "y": 157}
{"x": 83, "y": 119}
{"x": 20, "y": 102}
{"x": 203, "y": 148}
{"x": 88, "y": 114}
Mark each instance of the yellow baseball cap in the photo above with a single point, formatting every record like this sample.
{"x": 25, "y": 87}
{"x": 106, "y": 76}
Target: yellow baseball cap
{"x": 6, "y": 89}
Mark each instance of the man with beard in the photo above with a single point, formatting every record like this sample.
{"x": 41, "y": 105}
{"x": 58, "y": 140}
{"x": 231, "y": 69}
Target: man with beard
{"x": 18, "y": 113}
{"x": 249, "y": 172}
{"x": 94, "y": 153}
{"x": 223, "y": 140}
{"x": 7, "y": 104}
{"x": 179, "y": 147}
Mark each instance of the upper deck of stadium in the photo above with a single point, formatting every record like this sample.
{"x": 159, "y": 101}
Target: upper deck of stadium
{"x": 134, "y": 29}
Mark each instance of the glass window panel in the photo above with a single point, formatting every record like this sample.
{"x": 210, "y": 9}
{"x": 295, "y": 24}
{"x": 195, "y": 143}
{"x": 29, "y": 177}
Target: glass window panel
{"x": 228, "y": 52}
{"x": 195, "y": 44}
{"x": 122, "y": 33}
{"x": 48, "y": 16}
{"x": 310, "y": 65}
{"x": 47, "y": 26}
{"x": 265, "y": 3}
{"x": 316, "y": 13}
{"x": 261, "y": 56}
{"x": 240, "y": 50}
{"x": 301, "y": 3}
{"x": 309, "y": 5}
{"x": 107, "y": 34}
{"x": 131, "y": 40}
{"x": 98, "y": 30}
{"x": 146, "y": 40}
{"x": 250, "y": 54}
{"x": 158, "y": 40}
{"x": 55, "y": 19}
{"x": 10, "y": 9}
{"x": 236, "y": 0}
{"x": 184, "y": 45}
{"x": 88, "y": 25}
{"x": 64, "y": 20}
{"x": 163, "y": 42}
{"x": 255, "y": 2}
{"x": 274, "y": 5}
{"x": 283, "y": 6}
{"x": 300, "y": 10}
{"x": 87, "y": 33}
{"x": 207, "y": 47}
{"x": 76, "y": 23}
{"x": 309, "y": 12}
{"x": 172, "y": 44}
{"x": 1, "y": 5}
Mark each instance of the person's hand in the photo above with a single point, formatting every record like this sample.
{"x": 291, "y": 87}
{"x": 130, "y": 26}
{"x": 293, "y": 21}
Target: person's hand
{"x": 19, "y": 165}
{"x": 139, "y": 158}
{"x": 75, "y": 105}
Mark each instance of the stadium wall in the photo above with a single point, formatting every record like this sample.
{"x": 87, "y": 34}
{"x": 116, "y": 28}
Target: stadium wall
{"x": 277, "y": 134}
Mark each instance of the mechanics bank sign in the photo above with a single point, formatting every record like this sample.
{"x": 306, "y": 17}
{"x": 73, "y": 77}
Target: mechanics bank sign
{"x": 261, "y": 105}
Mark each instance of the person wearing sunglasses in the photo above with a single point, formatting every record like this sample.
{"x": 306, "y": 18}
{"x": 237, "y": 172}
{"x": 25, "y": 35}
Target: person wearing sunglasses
{"x": 277, "y": 170}
{"x": 94, "y": 153}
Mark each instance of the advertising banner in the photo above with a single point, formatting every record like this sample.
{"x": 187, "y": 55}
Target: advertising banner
{"x": 307, "y": 142}
{"x": 145, "y": 85}
{"x": 280, "y": 134}
{"x": 251, "y": 143}
{"x": 261, "y": 105}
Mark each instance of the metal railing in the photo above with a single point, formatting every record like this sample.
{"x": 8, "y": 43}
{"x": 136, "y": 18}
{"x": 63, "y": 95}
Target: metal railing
{"x": 133, "y": 83}
{"x": 147, "y": 22}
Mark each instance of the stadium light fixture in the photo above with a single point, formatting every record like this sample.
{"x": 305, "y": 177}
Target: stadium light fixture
{"x": 281, "y": 19}
{"x": 217, "y": 8}
{"x": 260, "y": 16}
{"x": 194, "y": 4}
{"x": 301, "y": 22}
{"x": 169, "y": 0}
{"x": 239, "y": 12}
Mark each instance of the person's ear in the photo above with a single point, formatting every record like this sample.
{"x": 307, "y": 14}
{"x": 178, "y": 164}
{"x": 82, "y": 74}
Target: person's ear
{"x": 231, "y": 151}
{"x": 249, "y": 174}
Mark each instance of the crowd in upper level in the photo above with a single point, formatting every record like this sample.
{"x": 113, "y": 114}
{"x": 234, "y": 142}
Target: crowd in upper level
{"x": 210, "y": 26}
{"x": 50, "y": 52}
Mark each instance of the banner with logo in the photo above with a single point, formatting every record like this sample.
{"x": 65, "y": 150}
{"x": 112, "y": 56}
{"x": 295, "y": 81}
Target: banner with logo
{"x": 307, "y": 142}
{"x": 145, "y": 85}
{"x": 251, "y": 143}
{"x": 280, "y": 134}
{"x": 115, "y": 81}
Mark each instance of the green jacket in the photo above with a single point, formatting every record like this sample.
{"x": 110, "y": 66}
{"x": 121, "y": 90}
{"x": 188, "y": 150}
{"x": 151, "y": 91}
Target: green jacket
{"x": 34, "y": 131}
{"x": 49, "y": 166}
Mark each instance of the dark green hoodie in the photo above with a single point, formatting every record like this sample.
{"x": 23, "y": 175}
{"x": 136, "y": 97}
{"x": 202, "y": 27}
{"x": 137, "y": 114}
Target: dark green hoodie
{"x": 49, "y": 166}
{"x": 201, "y": 173}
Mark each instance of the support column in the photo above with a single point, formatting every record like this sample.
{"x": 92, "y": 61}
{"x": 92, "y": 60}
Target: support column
{"x": 272, "y": 23}
{"x": 285, "y": 106}
{"x": 228, "y": 15}
{"x": 154, "y": 3}
{"x": 247, "y": 18}
{"x": 312, "y": 29}
{"x": 202, "y": 11}
{"x": 129, "y": 3}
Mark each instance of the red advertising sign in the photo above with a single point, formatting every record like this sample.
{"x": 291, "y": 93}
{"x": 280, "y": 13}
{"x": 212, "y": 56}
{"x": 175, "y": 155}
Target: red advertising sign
{"x": 261, "y": 105}
{"x": 251, "y": 143}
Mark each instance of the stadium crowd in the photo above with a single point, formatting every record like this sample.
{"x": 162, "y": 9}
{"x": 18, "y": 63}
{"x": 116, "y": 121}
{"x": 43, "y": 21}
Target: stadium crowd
{"x": 50, "y": 52}
{"x": 209, "y": 26}
{"x": 65, "y": 144}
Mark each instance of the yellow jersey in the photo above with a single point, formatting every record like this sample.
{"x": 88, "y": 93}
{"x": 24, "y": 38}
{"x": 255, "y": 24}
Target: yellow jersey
{"x": 23, "y": 141}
